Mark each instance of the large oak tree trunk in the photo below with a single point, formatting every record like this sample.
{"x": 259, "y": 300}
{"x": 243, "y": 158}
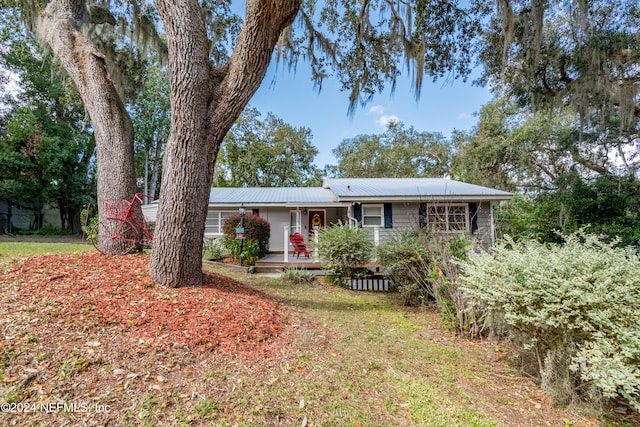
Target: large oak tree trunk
{"x": 111, "y": 123}
{"x": 205, "y": 102}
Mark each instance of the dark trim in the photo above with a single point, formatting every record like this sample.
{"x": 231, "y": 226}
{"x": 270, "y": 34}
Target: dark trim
{"x": 473, "y": 217}
{"x": 388, "y": 216}
{"x": 357, "y": 211}
{"x": 422, "y": 215}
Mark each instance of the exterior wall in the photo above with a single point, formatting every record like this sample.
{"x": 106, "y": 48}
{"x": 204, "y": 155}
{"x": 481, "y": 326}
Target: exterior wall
{"x": 485, "y": 227}
{"x": 404, "y": 215}
{"x": 278, "y": 218}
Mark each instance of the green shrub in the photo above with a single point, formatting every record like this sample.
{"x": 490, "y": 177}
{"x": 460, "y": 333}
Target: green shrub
{"x": 298, "y": 275}
{"x": 423, "y": 268}
{"x": 406, "y": 263}
{"x": 576, "y": 306}
{"x": 213, "y": 249}
{"x": 345, "y": 249}
{"x": 249, "y": 252}
{"x": 256, "y": 228}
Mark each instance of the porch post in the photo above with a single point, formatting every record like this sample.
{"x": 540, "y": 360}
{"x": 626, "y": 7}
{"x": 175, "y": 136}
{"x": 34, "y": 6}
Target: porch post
{"x": 493, "y": 226}
{"x": 315, "y": 242}
{"x": 286, "y": 243}
{"x": 376, "y": 236}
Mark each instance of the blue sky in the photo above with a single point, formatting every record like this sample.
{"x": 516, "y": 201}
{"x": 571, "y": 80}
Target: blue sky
{"x": 291, "y": 96}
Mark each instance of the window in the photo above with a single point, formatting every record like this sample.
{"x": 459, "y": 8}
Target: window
{"x": 295, "y": 221}
{"x": 452, "y": 217}
{"x": 215, "y": 219}
{"x": 372, "y": 215}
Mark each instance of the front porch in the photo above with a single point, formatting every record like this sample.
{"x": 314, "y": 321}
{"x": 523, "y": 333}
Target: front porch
{"x": 277, "y": 262}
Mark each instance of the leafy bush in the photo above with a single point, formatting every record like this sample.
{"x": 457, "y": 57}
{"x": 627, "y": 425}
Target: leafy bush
{"x": 249, "y": 252}
{"x": 345, "y": 249}
{"x": 213, "y": 249}
{"x": 407, "y": 264}
{"x": 256, "y": 228}
{"x": 423, "y": 268}
{"x": 298, "y": 275}
{"x": 576, "y": 306}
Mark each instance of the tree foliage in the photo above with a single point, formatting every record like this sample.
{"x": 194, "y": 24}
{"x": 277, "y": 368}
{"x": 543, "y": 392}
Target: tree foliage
{"x": 45, "y": 154}
{"x": 607, "y": 206}
{"x": 151, "y": 116}
{"x": 514, "y": 149}
{"x": 267, "y": 153}
{"x": 397, "y": 153}
{"x": 582, "y": 55}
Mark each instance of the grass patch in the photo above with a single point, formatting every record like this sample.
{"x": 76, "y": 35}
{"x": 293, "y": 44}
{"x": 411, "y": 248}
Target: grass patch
{"x": 364, "y": 363}
{"x": 15, "y": 250}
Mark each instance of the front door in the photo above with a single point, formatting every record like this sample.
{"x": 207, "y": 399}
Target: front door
{"x": 316, "y": 220}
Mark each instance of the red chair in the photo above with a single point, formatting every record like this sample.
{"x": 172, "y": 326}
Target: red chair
{"x": 299, "y": 247}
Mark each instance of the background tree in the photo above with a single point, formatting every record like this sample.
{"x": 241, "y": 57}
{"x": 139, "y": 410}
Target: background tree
{"x": 268, "y": 153}
{"x": 397, "y": 153}
{"x": 578, "y": 56}
{"x": 516, "y": 150}
{"x": 46, "y": 152}
{"x": 151, "y": 115}
{"x": 567, "y": 183}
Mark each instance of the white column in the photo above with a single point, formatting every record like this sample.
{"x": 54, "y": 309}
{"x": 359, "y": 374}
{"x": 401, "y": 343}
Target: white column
{"x": 376, "y": 235}
{"x": 315, "y": 242}
{"x": 286, "y": 243}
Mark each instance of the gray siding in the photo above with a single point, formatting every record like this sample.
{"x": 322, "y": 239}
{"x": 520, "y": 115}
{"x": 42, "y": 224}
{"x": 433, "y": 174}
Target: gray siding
{"x": 404, "y": 215}
{"x": 485, "y": 228}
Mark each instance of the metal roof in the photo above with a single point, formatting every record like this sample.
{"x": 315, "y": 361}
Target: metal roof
{"x": 342, "y": 190}
{"x": 286, "y": 196}
{"x": 405, "y": 188}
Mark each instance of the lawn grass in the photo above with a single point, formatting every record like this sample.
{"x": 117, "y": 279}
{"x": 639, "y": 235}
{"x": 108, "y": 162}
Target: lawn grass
{"x": 366, "y": 362}
{"x": 14, "y": 250}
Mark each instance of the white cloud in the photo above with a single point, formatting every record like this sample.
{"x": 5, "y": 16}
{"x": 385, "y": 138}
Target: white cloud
{"x": 465, "y": 116}
{"x": 385, "y": 119}
{"x": 376, "y": 109}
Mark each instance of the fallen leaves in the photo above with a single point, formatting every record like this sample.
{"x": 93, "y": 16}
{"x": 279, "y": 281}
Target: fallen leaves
{"x": 97, "y": 290}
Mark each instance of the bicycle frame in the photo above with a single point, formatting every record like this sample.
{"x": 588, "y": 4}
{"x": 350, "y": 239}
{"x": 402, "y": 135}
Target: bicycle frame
{"x": 131, "y": 227}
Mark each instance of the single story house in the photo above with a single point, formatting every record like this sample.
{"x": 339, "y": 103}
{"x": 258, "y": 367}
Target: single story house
{"x": 382, "y": 205}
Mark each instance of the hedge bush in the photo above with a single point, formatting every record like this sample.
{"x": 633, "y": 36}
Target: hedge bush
{"x": 575, "y": 305}
{"x": 346, "y": 250}
{"x": 256, "y": 228}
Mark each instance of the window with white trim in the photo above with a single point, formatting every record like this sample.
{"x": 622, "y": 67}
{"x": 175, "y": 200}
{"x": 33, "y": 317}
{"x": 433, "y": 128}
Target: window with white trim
{"x": 372, "y": 215}
{"x": 452, "y": 217}
{"x": 215, "y": 220}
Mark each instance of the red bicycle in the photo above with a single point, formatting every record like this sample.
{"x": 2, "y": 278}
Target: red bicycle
{"x": 123, "y": 222}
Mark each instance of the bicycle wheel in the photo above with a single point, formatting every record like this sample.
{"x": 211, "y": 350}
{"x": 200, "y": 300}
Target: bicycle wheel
{"x": 93, "y": 234}
{"x": 114, "y": 237}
